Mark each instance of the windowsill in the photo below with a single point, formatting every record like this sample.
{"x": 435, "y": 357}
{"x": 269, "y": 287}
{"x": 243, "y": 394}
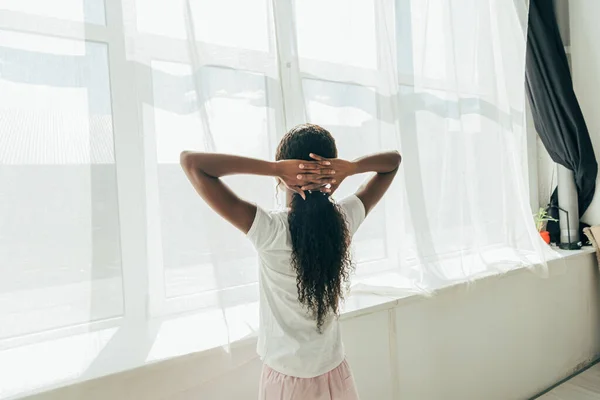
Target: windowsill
{"x": 67, "y": 360}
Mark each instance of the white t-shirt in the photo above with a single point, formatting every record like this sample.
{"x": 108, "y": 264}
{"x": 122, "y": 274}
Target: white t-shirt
{"x": 288, "y": 340}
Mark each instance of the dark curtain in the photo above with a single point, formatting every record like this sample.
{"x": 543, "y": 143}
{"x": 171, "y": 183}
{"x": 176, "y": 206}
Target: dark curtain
{"x": 556, "y": 113}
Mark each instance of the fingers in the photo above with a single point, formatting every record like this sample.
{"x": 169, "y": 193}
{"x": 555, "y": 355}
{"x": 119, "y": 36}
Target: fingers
{"x": 313, "y": 164}
{"x": 319, "y": 158}
{"x": 308, "y": 179}
{"x": 324, "y": 180}
{"x": 318, "y": 184}
{"x": 296, "y": 189}
{"x": 314, "y": 186}
{"x": 321, "y": 172}
{"x": 328, "y": 188}
{"x": 309, "y": 165}
{"x": 300, "y": 192}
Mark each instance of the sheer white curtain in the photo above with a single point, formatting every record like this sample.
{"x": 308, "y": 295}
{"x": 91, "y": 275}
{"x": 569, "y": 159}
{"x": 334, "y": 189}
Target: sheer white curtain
{"x": 98, "y": 98}
{"x": 440, "y": 80}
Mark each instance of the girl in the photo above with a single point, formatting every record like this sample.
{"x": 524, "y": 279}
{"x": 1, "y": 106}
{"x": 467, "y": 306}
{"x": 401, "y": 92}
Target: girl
{"x": 304, "y": 256}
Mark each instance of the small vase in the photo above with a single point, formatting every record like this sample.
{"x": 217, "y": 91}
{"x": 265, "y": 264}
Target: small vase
{"x": 546, "y": 236}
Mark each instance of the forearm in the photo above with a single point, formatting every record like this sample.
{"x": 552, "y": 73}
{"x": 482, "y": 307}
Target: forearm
{"x": 217, "y": 165}
{"x": 381, "y": 163}
{"x": 385, "y": 165}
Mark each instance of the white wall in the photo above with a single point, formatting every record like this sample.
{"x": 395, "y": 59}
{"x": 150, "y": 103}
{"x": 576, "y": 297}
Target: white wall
{"x": 585, "y": 65}
{"x": 505, "y": 337}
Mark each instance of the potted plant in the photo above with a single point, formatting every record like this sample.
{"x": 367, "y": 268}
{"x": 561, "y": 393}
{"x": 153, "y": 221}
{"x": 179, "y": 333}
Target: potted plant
{"x": 541, "y": 219}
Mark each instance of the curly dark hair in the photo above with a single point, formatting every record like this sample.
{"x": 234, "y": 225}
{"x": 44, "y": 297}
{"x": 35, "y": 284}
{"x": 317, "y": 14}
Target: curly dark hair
{"x": 318, "y": 229}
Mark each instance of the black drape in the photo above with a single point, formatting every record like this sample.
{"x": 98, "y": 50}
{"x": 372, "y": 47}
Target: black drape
{"x": 556, "y": 113}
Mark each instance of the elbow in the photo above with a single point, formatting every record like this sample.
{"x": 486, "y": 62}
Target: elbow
{"x": 189, "y": 161}
{"x": 397, "y": 159}
{"x": 192, "y": 163}
{"x": 185, "y": 159}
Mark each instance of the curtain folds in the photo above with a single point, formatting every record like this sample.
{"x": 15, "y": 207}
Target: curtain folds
{"x": 556, "y": 112}
{"x": 102, "y": 96}
{"x": 440, "y": 80}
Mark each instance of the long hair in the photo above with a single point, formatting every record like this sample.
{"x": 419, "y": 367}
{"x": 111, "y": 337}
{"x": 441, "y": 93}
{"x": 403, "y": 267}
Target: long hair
{"x": 318, "y": 229}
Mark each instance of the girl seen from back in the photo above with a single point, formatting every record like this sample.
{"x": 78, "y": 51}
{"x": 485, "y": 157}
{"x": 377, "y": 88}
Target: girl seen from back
{"x": 304, "y": 254}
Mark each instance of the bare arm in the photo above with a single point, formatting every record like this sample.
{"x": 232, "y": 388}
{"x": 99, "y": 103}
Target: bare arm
{"x": 204, "y": 171}
{"x": 384, "y": 164}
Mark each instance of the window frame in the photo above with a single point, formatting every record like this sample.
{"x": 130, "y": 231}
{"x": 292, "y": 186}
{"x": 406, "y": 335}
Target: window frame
{"x": 135, "y": 144}
{"x": 128, "y": 160}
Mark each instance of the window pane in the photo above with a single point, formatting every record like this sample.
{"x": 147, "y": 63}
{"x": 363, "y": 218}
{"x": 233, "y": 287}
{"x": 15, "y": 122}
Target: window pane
{"x": 463, "y": 127}
{"x": 60, "y": 259}
{"x": 349, "y": 113}
{"x": 473, "y": 56}
{"x": 176, "y": 119}
{"x": 443, "y": 44}
{"x": 202, "y": 252}
{"x": 90, "y": 11}
{"x": 337, "y": 31}
{"x": 428, "y": 48}
{"x": 234, "y": 23}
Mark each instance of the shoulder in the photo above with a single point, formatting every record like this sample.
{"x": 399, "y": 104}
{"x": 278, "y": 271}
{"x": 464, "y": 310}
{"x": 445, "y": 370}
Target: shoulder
{"x": 354, "y": 211}
{"x": 267, "y": 227}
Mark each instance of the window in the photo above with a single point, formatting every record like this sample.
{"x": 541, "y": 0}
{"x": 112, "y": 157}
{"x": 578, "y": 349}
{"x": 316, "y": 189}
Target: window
{"x": 99, "y": 224}
{"x": 89, "y": 11}
{"x": 203, "y": 257}
{"x": 60, "y": 241}
{"x": 221, "y": 95}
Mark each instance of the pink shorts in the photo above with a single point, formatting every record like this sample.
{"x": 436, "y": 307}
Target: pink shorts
{"x": 337, "y": 384}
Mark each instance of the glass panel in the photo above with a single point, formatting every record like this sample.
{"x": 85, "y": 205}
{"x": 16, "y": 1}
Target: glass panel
{"x": 60, "y": 258}
{"x": 349, "y": 112}
{"x": 421, "y": 28}
{"x": 234, "y": 23}
{"x": 463, "y": 130}
{"x": 337, "y": 31}
{"x": 90, "y": 11}
{"x": 202, "y": 252}
{"x": 429, "y": 30}
{"x": 473, "y": 56}
{"x": 447, "y": 43}
{"x": 176, "y": 118}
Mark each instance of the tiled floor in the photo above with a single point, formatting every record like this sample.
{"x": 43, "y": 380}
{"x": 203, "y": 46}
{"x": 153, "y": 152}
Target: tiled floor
{"x": 585, "y": 386}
